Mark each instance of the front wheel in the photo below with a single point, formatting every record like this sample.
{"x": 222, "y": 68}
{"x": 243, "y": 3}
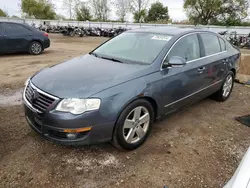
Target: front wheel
{"x": 224, "y": 93}
{"x": 134, "y": 125}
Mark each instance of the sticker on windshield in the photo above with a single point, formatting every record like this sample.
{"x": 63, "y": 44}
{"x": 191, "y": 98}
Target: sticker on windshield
{"x": 161, "y": 37}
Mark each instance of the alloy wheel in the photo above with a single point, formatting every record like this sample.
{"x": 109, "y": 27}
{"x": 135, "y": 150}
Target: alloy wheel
{"x": 227, "y": 86}
{"x": 136, "y": 125}
{"x": 36, "y": 48}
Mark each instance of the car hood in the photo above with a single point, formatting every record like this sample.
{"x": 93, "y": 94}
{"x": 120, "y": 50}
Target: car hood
{"x": 86, "y": 75}
{"x": 241, "y": 178}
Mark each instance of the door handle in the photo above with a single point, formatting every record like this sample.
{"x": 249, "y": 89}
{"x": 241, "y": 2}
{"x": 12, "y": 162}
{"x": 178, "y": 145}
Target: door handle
{"x": 225, "y": 61}
{"x": 202, "y": 69}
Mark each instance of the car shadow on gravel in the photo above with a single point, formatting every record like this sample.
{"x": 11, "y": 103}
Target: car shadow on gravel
{"x": 11, "y": 55}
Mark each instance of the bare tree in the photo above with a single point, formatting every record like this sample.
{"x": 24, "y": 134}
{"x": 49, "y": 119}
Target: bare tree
{"x": 122, "y": 7}
{"x": 138, "y": 8}
{"x": 69, "y": 6}
{"x": 100, "y": 9}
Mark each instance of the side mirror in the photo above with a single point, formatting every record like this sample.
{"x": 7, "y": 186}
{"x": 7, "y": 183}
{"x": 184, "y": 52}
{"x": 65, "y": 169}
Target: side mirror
{"x": 177, "y": 61}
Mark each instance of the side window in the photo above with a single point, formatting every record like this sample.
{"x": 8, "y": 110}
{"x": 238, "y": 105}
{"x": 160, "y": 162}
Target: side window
{"x": 222, "y": 44}
{"x": 1, "y": 29}
{"x": 16, "y": 29}
{"x": 187, "y": 48}
{"x": 211, "y": 44}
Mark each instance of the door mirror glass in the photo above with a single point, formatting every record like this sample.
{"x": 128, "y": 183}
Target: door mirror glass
{"x": 177, "y": 61}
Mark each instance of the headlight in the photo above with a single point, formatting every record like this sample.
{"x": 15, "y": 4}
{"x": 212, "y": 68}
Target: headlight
{"x": 78, "y": 106}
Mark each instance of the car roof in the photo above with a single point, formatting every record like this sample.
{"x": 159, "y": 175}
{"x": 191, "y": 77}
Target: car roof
{"x": 169, "y": 30}
{"x": 23, "y": 24}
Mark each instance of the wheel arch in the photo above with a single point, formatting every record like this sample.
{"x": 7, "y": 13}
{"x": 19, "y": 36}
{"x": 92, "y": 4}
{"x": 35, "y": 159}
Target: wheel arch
{"x": 234, "y": 71}
{"x": 37, "y": 40}
{"x": 147, "y": 98}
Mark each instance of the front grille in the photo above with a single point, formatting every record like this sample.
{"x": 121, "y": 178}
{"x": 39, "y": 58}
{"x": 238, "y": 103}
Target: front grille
{"x": 41, "y": 102}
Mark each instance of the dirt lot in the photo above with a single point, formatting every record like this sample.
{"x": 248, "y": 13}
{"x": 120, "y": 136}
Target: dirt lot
{"x": 200, "y": 146}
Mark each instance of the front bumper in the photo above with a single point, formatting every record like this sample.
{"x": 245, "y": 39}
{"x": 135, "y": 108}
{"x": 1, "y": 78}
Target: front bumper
{"x": 51, "y": 125}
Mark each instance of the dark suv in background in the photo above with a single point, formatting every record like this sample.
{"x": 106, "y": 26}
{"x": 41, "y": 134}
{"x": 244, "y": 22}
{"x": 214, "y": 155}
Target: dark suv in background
{"x": 17, "y": 37}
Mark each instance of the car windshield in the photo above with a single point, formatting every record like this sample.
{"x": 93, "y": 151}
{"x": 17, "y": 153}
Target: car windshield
{"x": 129, "y": 47}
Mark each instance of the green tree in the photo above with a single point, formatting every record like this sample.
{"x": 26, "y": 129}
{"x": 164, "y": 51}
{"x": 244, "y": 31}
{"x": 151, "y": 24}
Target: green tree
{"x": 3, "y": 13}
{"x": 157, "y": 12}
{"x": 233, "y": 12}
{"x": 139, "y": 9}
{"x": 83, "y": 13}
{"x": 39, "y": 9}
{"x": 140, "y": 16}
{"x": 202, "y": 11}
{"x": 225, "y": 12}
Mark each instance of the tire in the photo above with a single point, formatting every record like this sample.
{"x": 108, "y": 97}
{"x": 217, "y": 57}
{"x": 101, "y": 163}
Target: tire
{"x": 228, "y": 86}
{"x": 35, "y": 48}
{"x": 137, "y": 130}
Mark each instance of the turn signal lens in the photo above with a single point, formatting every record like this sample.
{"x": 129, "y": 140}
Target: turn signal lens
{"x": 85, "y": 129}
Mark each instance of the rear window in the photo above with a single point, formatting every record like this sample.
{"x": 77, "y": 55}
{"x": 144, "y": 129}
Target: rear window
{"x": 211, "y": 44}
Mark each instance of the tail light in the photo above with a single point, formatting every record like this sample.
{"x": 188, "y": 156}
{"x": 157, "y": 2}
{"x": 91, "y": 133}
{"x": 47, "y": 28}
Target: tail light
{"x": 46, "y": 34}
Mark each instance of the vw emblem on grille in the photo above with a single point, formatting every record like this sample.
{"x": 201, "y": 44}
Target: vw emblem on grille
{"x": 34, "y": 95}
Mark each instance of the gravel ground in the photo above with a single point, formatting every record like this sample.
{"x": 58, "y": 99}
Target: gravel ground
{"x": 200, "y": 146}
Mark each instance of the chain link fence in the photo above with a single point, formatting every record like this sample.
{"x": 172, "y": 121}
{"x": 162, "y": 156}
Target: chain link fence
{"x": 239, "y": 30}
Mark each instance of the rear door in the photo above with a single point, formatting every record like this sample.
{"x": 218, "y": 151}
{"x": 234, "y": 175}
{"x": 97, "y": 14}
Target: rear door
{"x": 214, "y": 61}
{"x": 18, "y": 37}
{"x": 2, "y": 39}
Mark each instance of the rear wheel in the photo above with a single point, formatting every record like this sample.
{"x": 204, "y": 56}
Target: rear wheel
{"x": 35, "y": 48}
{"x": 224, "y": 93}
{"x": 134, "y": 125}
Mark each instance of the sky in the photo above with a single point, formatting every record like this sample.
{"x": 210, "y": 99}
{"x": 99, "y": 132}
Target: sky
{"x": 175, "y": 7}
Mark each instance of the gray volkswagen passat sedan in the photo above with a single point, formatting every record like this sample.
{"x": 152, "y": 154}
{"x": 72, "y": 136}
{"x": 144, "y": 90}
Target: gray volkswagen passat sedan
{"x": 116, "y": 92}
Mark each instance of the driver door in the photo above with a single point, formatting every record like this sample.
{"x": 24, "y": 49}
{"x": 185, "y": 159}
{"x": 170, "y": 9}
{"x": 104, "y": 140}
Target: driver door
{"x": 181, "y": 85}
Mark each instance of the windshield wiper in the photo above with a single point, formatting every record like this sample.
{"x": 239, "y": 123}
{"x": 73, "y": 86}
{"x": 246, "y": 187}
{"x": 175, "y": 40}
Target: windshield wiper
{"x": 108, "y": 58}
{"x": 113, "y": 59}
{"x": 95, "y": 54}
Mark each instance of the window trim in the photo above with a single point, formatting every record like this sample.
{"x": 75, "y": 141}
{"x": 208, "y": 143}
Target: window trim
{"x": 204, "y": 43}
{"x": 4, "y": 30}
{"x": 224, "y": 43}
{"x": 11, "y": 23}
{"x": 200, "y": 32}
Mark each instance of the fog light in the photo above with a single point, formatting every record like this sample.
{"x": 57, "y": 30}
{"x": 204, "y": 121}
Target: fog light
{"x": 71, "y": 136}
